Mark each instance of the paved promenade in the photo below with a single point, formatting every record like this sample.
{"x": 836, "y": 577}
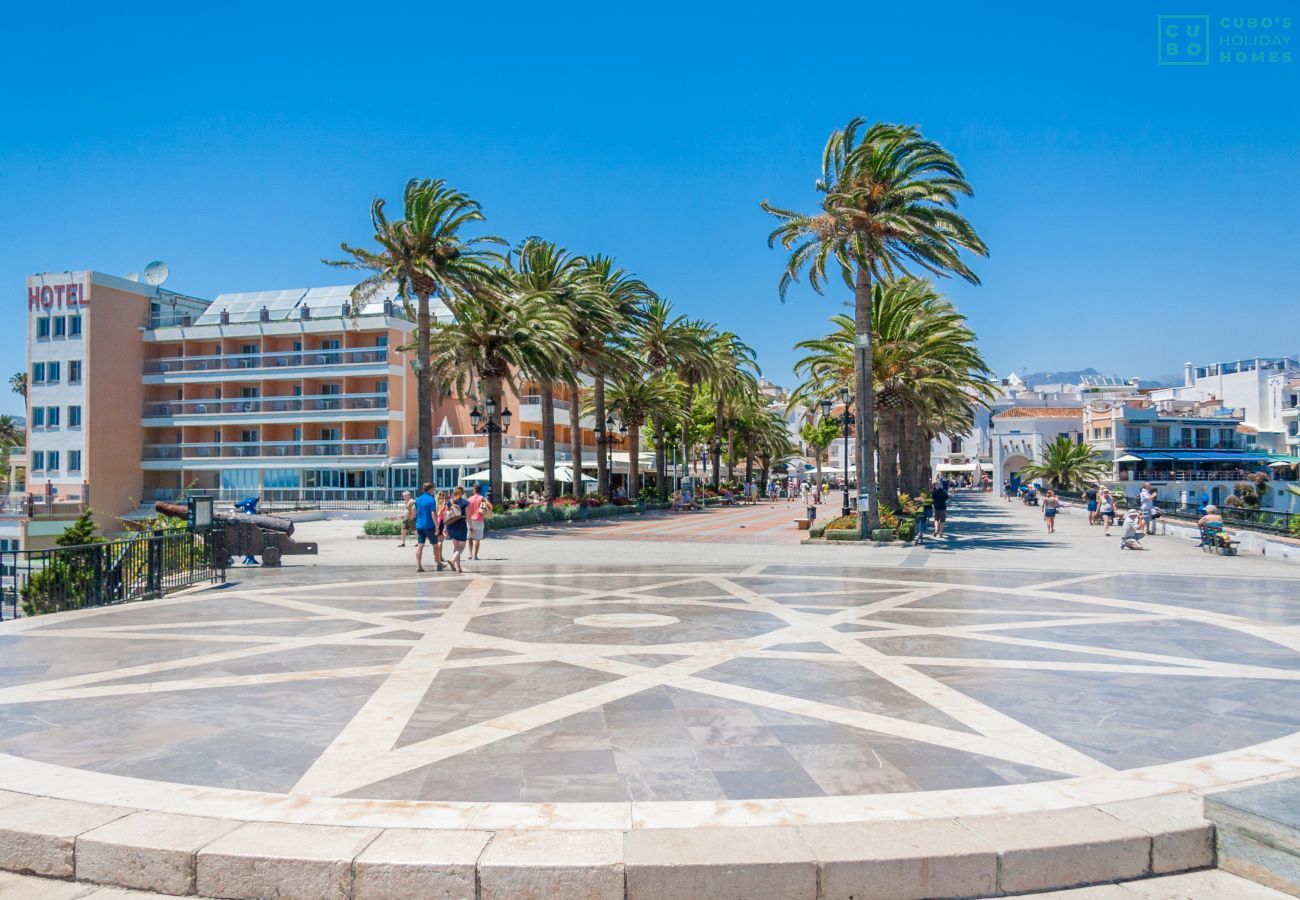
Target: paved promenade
{"x": 1031, "y": 710}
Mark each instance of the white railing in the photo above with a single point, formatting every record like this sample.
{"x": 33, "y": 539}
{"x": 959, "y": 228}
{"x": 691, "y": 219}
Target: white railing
{"x": 253, "y": 405}
{"x": 270, "y": 359}
{"x": 266, "y": 449}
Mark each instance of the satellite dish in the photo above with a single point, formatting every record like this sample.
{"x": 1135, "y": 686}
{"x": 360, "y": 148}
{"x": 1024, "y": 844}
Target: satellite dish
{"x": 132, "y": 276}
{"x": 156, "y": 272}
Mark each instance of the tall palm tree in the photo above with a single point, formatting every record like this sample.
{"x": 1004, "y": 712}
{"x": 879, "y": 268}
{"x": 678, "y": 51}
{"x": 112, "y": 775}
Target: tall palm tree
{"x": 888, "y": 203}
{"x": 424, "y": 253}
{"x": 733, "y": 372}
{"x": 10, "y": 434}
{"x": 638, "y": 399}
{"x": 542, "y": 269}
{"x": 495, "y": 337}
{"x": 1066, "y": 465}
{"x": 18, "y": 384}
{"x": 666, "y": 342}
{"x": 628, "y": 295}
{"x": 695, "y": 365}
{"x": 818, "y": 434}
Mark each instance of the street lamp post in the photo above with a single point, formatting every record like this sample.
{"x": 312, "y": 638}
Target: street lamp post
{"x": 605, "y": 437}
{"x": 846, "y": 419}
{"x": 489, "y": 425}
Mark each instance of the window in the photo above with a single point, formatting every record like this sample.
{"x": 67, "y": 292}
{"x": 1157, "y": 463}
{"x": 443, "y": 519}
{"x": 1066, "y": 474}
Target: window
{"x": 1132, "y": 437}
{"x": 38, "y": 373}
{"x": 42, "y": 327}
{"x": 329, "y": 344}
{"x": 74, "y": 326}
{"x": 74, "y": 371}
{"x": 956, "y": 444}
{"x": 74, "y": 460}
{"x": 381, "y": 340}
{"x": 38, "y": 416}
{"x": 248, "y": 436}
{"x": 52, "y": 461}
{"x": 38, "y": 459}
{"x": 1160, "y": 436}
{"x": 381, "y": 432}
{"x": 74, "y": 416}
{"x": 51, "y": 373}
{"x": 52, "y": 416}
{"x": 60, "y": 326}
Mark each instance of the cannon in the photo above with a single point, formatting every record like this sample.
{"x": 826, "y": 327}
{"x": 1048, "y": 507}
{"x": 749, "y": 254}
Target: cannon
{"x": 239, "y": 534}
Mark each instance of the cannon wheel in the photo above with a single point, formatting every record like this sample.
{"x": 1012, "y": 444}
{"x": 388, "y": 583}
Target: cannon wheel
{"x": 271, "y": 555}
{"x": 221, "y": 558}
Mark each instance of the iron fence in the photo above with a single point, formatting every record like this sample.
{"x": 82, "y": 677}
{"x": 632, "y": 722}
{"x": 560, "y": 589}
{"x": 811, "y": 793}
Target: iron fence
{"x": 1270, "y": 521}
{"x": 137, "y": 568}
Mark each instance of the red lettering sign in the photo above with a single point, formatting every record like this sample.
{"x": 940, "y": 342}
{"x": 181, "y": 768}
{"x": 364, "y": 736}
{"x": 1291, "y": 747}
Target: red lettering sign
{"x": 59, "y": 296}
{"x": 47, "y": 296}
{"x": 33, "y": 298}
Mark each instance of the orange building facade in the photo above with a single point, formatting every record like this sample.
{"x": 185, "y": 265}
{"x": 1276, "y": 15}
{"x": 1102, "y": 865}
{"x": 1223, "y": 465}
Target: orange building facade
{"x": 284, "y": 395}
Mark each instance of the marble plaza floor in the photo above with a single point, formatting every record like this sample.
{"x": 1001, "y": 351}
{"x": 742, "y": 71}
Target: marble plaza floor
{"x": 639, "y": 695}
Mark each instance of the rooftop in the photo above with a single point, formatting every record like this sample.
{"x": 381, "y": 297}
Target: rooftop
{"x": 1040, "y": 412}
{"x": 323, "y": 303}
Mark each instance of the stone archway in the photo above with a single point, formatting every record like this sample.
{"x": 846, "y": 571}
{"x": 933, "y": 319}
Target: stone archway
{"x": 1014, "y": 463}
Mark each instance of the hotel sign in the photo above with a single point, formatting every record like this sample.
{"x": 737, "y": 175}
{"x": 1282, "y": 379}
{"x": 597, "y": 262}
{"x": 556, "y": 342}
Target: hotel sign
{"x": 44, "y": 297}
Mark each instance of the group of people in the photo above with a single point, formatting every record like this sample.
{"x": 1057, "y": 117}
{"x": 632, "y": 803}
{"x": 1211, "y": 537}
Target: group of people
{"x": 435, "y": 518}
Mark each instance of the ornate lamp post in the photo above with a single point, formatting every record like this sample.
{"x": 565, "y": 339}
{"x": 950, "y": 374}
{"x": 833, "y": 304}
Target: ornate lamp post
{"x": 491, "y": 425}
{"x": 846, "y": 419}
{"x": 605, "y": 437}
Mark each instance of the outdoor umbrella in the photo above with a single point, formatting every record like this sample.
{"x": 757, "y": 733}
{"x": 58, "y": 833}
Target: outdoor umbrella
{"x": 1128, "y": 457}
{"x": 565, "y": 474}
{"x": 531, "y": 474}
{"x": 508, "y": 475}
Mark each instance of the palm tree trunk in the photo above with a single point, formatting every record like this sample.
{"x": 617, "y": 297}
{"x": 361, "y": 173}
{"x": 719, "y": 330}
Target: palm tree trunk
{"x": 548, "y": 441}
{"x": 575, "y": 429}
{"x": 602, "y": 469}
{"x": 907, "y": 452}
{"x": 633, "y": 460}
{"x": 686, "y": 432}
{"x": 865, "y": 401}
{"x": 731, "y": 454}
{"x": 496, "y": 486}
{"x": 717, "y": 445}
{"x": 423, "y": 394}
{"x": 661, "y": 461}
{"x": 817, "y": 458}
{"x": 888, "y": 475}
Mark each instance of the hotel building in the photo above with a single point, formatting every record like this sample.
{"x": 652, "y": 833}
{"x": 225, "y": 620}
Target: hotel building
{"x": 137, "y": 393}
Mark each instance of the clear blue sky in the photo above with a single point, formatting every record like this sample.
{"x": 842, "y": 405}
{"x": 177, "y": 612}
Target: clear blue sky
{"x": 1138, "y": 215}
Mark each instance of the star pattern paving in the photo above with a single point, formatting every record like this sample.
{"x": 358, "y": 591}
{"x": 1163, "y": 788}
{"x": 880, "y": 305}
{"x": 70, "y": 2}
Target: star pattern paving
{"x": 611, "y": 685}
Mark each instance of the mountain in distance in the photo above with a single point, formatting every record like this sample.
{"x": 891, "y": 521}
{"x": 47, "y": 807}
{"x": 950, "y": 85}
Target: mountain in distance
{"x": 1074, "y": 376}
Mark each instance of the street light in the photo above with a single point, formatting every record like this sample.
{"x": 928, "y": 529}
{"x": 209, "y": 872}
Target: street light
{"x": 846, "y": 419}
{"x": 488, "y": 425}
{"x": 605, "y": 437}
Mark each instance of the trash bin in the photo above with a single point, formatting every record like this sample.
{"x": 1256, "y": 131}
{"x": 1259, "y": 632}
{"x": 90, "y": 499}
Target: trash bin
{"x": 812, "y": 514}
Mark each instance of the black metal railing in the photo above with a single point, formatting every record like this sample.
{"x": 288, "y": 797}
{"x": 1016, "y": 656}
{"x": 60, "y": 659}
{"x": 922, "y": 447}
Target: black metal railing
{"x": 1251, "y": 518}
{"x": 138, "y": 568}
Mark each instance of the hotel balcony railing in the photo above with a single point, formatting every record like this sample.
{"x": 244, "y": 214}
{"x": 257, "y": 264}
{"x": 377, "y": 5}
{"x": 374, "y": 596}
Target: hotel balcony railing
{"x": 253, "y": 405}
{"x": 1181, "y": 445}
{"x": 536, "y": 400}
{"x": 270, "y": 449}
{"x": 480, "y": 442}
{"x": 271, "y": 359}
{"x": 1157, "y": 475}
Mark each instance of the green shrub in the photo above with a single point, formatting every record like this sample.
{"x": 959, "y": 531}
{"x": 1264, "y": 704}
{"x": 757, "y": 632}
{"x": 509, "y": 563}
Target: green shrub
{"x": 68, "y": 579}
{"x": 842, "y": 534}
{"x": 884, "y": 534}
{"x": 907, "y": 530}
{"x": 382, "y": 527}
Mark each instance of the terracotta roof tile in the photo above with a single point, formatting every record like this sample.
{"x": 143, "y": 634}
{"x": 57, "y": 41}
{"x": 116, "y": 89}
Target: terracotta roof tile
{"x": 1040, "y": 412}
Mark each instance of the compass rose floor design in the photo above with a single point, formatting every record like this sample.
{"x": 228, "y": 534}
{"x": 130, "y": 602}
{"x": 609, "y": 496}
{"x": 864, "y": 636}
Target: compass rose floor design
{"x": 648, "y": 691}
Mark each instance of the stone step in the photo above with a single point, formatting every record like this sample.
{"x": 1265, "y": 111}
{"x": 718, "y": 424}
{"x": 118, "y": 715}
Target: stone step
{"x": 1211, "y": 884}
{"x": 1257, "y": 832}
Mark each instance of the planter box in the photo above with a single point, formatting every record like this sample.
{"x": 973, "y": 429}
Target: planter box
{"x": 843, "y": 535}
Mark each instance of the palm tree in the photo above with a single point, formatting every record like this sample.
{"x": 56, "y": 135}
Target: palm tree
{"x": 888, "y": 202}
{"x": 666, "y": 342}
{"x": 496, "y": 336}
{"x": 1066, "y": 465}
{"x": 423, "y": 253}
{"x": 637, "y": 400}
{"x": 18, "y": 384}
{"x": 696, "y": 364}
{"x": 542, "y": 269}
{"x": 628, "y": 295}
{"x": 733, "y": 373}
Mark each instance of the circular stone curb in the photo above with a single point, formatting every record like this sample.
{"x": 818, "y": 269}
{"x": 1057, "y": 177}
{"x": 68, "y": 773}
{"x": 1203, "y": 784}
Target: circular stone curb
{"x": 977, "y": 856}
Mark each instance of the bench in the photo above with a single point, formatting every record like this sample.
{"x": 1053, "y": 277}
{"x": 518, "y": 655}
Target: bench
{"x": 803, "y": 524}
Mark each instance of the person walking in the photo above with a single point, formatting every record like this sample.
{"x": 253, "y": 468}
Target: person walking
{"x": 1091, "y": 496}
{"x": 1106, "y": 510}
{"x": 1050, "y": 505}
{"x": 456, "y": 527}
{"x": 939, "y": 506}
{"x": 439, "y": 531}
{"x": 408, "y": 517}
{"x": 477, "y": 512}
{"x": 1147, "y": 496}
{"x": 426, "y": 528}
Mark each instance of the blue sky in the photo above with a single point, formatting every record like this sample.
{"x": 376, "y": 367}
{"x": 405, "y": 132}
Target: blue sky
{"x": 1137, "y": 215}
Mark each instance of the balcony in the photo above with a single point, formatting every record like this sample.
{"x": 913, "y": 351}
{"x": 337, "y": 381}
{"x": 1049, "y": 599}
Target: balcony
{"x": 254, "y": 406}
{"x": 1159, "y": 476}
{"x": 270, "y": 361}
{"x": 265, "y": 450}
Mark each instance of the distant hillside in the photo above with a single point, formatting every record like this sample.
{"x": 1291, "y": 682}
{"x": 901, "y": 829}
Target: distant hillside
{"x": 1074, "y": 376}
